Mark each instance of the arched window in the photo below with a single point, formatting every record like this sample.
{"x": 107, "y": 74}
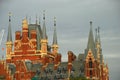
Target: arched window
{"x": 90, "y": 63}
{"x": 90, "y": 72}
{"x": 90, "y": 66}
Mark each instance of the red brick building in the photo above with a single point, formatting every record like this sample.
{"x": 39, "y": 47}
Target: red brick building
{"x": 30, "y": 55}
{"x": 31, "y": 44}
{"x": 95, "y": 68}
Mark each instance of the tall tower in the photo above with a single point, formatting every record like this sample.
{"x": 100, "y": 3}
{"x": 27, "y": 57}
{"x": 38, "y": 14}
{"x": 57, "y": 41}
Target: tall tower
{"x": 99, "y": 58}
{"x": 98, "y": 46}
{"x": 91, "y": 43}
{"x": 44, "y": 40}
{"x": 55, "y": 44}
{"x": 9, "y": 43}
{"x": 24, "y": 31}
{"x": 90, "y": 57}
{"x": 96, "y": 37}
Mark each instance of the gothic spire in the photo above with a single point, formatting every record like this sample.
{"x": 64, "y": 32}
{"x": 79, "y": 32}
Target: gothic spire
{"x": 99, "y": 36}
{"x": 9, "y": 36}
{"x": 90, "y": 44}
{"x": 96, "y": 35}
{"x": 44, "y": 26}
{"x": 55, "y": 33}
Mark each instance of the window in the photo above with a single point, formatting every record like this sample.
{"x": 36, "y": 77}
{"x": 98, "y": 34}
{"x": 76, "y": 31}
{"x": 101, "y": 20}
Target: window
{"x": 90, "y": 63}
{"x": 90, "y": 72}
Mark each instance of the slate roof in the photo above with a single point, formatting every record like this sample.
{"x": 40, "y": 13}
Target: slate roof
{"x": 12, "y": 67}
{"x": 39, "y": 33}
{"x": 9, "y": 36}
{"x": 44, "y": 28}
{"x": 91, "y": 43}
{"x": 55, "y": 34}
{"x": 62, "y": 72}
{"x": 50, "y": 73}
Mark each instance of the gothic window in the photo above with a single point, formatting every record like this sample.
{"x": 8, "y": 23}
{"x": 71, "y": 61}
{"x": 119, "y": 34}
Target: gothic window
{"x": 90, "y": 72}
{"x": 90, "y": 63}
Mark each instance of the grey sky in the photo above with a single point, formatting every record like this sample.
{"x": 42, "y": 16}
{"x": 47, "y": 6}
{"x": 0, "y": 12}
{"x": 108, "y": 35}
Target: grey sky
{"x": 73, "y": 18}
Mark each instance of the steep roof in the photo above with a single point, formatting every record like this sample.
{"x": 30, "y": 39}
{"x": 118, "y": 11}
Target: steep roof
{"x": 9, "y": 36}
{"x": 39, "y": 33}
{"x": 96, "y": 37}
{"x": 91, "y": 43}
{"x": 55, "y": 33}
{"x": 44, "y": 28}
{"x": 99, "y": 36}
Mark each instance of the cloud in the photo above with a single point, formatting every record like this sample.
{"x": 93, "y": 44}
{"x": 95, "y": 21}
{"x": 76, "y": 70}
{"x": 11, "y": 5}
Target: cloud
{"x": 73, "y": 18}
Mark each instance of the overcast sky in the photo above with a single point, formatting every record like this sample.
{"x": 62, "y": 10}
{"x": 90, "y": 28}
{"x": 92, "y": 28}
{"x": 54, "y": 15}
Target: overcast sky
{"x": 73, "y": 17}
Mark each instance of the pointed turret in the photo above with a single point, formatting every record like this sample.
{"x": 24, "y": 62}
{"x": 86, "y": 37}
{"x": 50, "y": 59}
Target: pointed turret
{"x": 25, "y": 24}
{"x": 9, "y": 42}
{"x": 9, "y": 36}
{"x": 55, "y": 33}
{"x": 44, "y": 27}
{"x": 96, "y": 37}
{"x": 44, "y": 41}
{"x": 99, "y": 36}
{"x": 40, "y": 30}
{"x": 55, "y": 44}
{"x": 25, "y": 31}
{"x": 91, "y": 44}
{"x": 98, "y": 46}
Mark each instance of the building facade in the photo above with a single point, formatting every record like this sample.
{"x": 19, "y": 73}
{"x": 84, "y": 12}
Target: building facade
{"x": 95, "y": 68}
{"x": 30, "y": 56}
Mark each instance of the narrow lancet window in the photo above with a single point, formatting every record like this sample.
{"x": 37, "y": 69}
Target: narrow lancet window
{"x": 90, "y": 63}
